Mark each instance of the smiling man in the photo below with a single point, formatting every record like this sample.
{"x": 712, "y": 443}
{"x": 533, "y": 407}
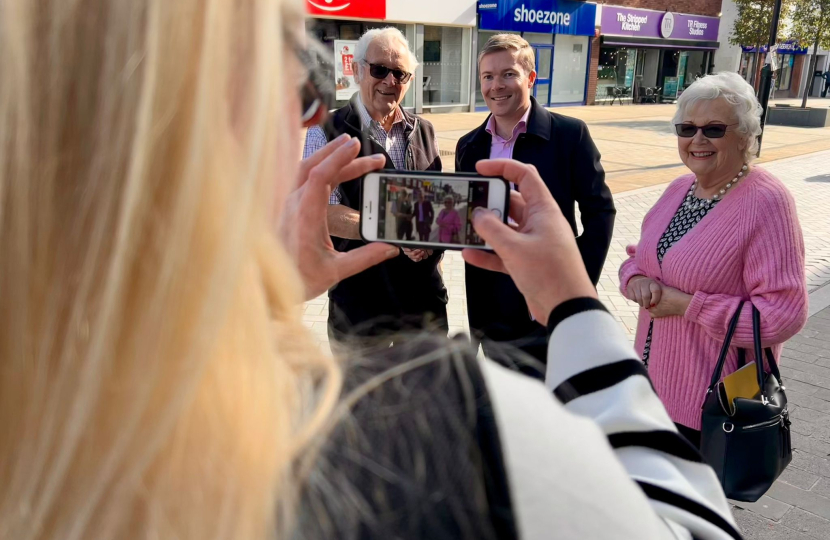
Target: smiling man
{"x": 407, "y": 292}
{"x": 567, "y": 160}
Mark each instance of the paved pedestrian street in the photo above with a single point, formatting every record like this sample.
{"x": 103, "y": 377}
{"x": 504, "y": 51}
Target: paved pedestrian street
{"x": 798, "y": 505}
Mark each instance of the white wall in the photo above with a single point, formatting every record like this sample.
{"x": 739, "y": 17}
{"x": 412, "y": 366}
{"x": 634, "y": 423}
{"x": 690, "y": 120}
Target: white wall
{"x": 449, "y": 12}
{"x": 727, "y": 57}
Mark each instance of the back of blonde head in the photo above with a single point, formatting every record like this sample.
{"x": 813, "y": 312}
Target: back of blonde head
{"x": 147, "y": 388}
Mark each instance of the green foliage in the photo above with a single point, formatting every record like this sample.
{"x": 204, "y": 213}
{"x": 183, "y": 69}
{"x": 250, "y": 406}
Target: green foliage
{"x": 810, "y": 23}
{"x": 752, "y": 25}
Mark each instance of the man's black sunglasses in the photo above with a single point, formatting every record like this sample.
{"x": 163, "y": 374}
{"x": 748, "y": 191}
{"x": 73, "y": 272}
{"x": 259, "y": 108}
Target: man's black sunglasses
{"x": 710, "y": 131}
{"x": 380, "y": 72}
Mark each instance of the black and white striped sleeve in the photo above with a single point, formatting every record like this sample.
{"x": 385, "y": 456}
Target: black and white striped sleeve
{"x": 595, "y": 373}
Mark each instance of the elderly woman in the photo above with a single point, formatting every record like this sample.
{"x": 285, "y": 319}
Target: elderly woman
{"x": 727, "y": 232}
{"x": 449, "y": 222}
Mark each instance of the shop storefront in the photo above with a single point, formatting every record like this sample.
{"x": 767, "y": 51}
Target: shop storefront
{"x": 440, "y": 33}
{"x": 558, "y": 30}
{"x": 651, "y": 56}
{"x": 791, "y": 61}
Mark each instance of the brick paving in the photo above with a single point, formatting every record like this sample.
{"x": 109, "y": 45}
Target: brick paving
{"x": 798, "y": 505}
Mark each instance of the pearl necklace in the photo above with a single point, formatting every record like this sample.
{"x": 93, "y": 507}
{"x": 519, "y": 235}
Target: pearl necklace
{"x": 700, "y": 203}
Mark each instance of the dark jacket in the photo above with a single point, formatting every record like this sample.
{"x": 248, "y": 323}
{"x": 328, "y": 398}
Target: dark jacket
{"x": 429, "y": 213}
{"x": 399, "y": 288}
{"x": 563, "y": 152}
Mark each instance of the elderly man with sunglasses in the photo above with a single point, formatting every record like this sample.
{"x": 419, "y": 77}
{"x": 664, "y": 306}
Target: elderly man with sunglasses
{"x": 407, "y": 292}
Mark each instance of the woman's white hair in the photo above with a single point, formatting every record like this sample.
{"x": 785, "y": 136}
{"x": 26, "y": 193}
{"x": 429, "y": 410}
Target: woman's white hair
{"x": 738, "y": 93}
{"x": 387, "y": 36}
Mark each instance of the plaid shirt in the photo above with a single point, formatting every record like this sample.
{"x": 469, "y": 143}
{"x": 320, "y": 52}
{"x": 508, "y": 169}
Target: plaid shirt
{"x": 394, "y": 142}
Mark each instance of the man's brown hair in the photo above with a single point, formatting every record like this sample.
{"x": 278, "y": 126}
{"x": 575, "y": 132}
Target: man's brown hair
{"x": 511, "y": 42}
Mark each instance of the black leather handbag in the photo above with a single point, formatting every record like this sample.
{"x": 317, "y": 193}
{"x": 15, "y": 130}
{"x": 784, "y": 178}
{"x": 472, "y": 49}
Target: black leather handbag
{"x": 747, "y": 442}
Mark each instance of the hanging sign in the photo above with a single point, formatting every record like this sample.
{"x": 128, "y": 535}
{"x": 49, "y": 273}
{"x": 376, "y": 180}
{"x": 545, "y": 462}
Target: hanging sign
{"x": 344, "y": 82}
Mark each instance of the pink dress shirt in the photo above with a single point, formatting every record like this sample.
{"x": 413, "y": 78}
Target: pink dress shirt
{"x": 503, "y": 148}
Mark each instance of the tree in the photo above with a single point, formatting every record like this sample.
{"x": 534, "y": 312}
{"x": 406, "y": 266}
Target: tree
{"x": 752, "y": 26}
{"x": 810, "y": 26}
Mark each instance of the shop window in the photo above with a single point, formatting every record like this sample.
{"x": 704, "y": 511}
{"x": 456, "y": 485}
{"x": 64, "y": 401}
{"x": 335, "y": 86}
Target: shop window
{"x": 785, "y": 73}
{"x": 432, "y": 51}
{"x": 446, "y": 66}
{"x": 570, "y": 62}
{"x": 616, "y": 71}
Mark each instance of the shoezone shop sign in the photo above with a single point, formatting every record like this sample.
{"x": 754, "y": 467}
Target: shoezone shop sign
{"x": 543, "y": 16}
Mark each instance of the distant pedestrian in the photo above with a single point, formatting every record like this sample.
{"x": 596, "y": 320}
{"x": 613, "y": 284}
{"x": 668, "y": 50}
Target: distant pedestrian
{"x": 725, "y": 234}
{"x": 424, "y": 216}
{"x": 449, "y": 222}
{"x": 826, "y": 77}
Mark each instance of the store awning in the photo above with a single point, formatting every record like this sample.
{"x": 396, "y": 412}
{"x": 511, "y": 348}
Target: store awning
{"x": 634, "y": 42}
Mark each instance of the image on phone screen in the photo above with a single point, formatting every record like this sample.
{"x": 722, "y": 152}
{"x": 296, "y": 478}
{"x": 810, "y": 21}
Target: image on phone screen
{"x": 430, "y": 210}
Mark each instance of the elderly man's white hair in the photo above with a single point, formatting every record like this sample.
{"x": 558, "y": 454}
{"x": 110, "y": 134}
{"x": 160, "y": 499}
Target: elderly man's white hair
{"x": 386, "y": 36}
{"x": 738, "y": 93}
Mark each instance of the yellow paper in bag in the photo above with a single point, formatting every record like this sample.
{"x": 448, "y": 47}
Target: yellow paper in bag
{"x": 742, "y": 383}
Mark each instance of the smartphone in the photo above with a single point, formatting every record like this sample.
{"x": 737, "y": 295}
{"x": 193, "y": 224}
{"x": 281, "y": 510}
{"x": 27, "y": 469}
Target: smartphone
{"x": 423, "y": 209}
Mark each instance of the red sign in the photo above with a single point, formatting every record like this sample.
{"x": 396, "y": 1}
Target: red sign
{"x": 361, "y": 9}
{"x": 347, "y": 58}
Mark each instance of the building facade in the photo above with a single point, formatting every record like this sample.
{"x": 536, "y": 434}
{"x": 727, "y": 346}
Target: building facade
{"x": 645, "y": 54}
{"x": 792, "y": 62}
{"x": 440, "y": 33}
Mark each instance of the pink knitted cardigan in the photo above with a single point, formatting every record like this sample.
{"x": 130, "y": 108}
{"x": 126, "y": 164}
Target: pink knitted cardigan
{"x": 749, "y": 247}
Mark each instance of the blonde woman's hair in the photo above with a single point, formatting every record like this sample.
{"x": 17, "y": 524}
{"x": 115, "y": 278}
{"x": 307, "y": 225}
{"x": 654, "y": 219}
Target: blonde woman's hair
{"x": 155, "y": 380}
{"x": 511, "y": 43}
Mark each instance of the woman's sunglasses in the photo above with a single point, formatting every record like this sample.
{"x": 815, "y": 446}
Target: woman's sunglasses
{"x": 380, "y": 72}
{"x": 711, "y": 131}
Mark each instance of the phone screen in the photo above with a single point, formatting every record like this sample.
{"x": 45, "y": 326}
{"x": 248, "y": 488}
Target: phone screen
{"x": 430, "y": 209}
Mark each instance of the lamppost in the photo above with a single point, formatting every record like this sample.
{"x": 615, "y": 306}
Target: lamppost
{"x": 767, "y": 71}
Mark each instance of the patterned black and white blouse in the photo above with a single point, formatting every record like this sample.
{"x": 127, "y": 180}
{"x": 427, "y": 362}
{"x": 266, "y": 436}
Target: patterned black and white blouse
{"x": 691, "y": 211}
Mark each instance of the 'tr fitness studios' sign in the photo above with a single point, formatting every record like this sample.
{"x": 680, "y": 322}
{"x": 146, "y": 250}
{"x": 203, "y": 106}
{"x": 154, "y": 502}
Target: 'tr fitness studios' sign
{"x": 619, "y": 21}
{"x": 542, "y": 16}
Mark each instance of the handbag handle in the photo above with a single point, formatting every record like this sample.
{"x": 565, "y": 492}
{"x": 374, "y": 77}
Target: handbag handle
{"x": 759, "y": 358}
{"x": 724, "y": 350}
{"x": 756, "y": 338}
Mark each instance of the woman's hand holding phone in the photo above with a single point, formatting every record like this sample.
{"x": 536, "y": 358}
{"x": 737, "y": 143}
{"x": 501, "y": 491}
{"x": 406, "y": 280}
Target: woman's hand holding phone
{"x": 540, "y": 252}
{"x": 303, "y": 225}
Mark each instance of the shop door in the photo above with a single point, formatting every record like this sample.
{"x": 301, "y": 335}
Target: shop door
{"x": 544, "y": 73}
